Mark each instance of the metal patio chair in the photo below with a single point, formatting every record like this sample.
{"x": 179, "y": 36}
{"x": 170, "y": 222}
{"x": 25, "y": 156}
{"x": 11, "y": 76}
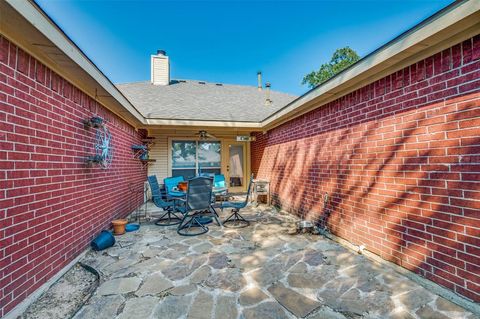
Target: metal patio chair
{"x": 197, "y": 205}
{"x": 171, "y": 185}
{"x": 159, "y": 199}
{"x": 235, "y": 219}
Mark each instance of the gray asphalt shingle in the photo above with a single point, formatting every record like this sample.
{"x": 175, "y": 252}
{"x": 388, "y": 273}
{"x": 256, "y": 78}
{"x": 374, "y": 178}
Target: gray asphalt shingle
{"x": 193, "y": 100}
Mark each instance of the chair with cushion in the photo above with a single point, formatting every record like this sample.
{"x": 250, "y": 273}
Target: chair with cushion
{"x": 235, "y": 219}
{"x": 219, "y": 181}
{"x": 197, "y": 205}
{"x": 171, "y": 186}
{"x": 159, "y": 199}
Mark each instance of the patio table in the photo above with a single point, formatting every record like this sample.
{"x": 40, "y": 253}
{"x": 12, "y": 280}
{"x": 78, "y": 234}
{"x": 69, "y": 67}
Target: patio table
{"x": 178, "y": 194}
{"x": 215, "y": 190}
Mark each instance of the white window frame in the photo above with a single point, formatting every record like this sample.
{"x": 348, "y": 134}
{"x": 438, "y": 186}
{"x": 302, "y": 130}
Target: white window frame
{"x": 197, "y": 141}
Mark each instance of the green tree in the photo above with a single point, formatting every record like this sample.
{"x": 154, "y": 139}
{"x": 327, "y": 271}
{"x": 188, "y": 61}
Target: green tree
{"x": 341, "y": 59}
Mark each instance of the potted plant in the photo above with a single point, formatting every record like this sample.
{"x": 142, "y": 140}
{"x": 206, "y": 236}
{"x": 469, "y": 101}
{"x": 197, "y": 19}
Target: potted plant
{"x": 182, "y": 186}
{"x": 96, "y": 121}
{"x": 119, "y": 226}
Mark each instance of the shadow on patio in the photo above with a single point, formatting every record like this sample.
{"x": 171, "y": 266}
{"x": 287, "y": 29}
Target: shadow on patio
{"x": 262, "y": 271}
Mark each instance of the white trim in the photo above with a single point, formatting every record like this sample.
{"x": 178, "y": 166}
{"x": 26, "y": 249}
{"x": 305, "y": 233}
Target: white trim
{"x": 45, "y": 26}
{"x": 390, "y": 53}
{"x": 424, "y": 36}
{"x": 198, "y": 123}
{"x": 197, "y": 140}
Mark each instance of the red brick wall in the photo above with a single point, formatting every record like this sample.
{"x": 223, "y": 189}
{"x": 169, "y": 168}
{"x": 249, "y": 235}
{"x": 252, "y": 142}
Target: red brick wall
{"x": 51, "y": 204}
{"x": 400, "y": 160}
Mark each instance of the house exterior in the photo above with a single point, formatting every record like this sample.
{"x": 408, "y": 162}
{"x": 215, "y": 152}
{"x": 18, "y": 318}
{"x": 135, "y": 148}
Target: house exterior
{"x": 394, "y": 141}
{"x": 193, "y": 108}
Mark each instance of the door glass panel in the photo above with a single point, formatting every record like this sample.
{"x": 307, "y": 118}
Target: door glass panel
{"x": 236, "y": 168}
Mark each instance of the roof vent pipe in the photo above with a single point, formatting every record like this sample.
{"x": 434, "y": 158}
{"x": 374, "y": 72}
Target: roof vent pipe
{"x": 259, "y": 79}
{"x": 268, "y": 101}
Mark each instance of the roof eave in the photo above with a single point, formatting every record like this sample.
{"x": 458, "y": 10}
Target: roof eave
{"x": 69, "y": 57}
{"x": 452, "y": 25}
{"x": 202, "y": 123}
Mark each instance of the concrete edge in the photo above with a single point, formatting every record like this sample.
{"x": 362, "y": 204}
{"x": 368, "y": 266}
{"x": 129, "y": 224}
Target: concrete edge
{"x": 427, "y": 284}
{"x": 21, "y": 307}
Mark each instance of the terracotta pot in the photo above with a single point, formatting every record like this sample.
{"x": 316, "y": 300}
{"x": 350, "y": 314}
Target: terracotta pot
{"x": 182, "y": 186}
{"x": 119, "y": 226}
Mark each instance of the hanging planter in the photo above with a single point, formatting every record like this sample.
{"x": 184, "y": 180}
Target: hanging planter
{"x": 94, "y": 160}
{"x": 94, "y": 121}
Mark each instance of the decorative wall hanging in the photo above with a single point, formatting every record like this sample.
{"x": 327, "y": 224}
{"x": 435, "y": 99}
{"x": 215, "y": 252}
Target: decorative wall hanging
{"x": 141, "y": 152}
{"x": 102, "y": 147}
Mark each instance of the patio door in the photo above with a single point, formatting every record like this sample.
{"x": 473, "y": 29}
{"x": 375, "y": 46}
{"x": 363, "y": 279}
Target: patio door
{"x": 236, "y": 167}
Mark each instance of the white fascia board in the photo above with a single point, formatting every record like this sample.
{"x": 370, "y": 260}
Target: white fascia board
{"x": 402, "y": 44}
{"x": 197, "y": 123}
{"x": 43, "y": 24}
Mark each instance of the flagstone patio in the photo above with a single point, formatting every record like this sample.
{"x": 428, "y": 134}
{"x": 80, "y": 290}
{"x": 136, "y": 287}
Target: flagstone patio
{"x": 260, "y": 271}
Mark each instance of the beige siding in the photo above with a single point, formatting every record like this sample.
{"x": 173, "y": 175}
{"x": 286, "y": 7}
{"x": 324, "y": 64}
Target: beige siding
{"x": 160, "y": 70}
{"x": 159, "y": 152}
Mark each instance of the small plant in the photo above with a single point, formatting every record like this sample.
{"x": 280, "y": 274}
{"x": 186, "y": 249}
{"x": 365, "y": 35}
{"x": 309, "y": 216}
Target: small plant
{"x": 94, "y": 121}
{"x": 95, "y": 159}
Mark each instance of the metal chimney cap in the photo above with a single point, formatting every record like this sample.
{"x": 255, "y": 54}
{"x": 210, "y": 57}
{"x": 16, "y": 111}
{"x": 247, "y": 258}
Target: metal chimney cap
{"x": 161, "y": 52}
{"x": 268, "y": 84}
{"x": 259, "y": 72}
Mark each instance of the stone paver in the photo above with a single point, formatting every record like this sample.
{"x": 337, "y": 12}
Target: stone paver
{"x": 183, "y": 290}
{"x": 173, "y": 307}
{"x": 202, "y": 306}
{"x": 139, "y": 308}
{"x": 445, "y": 305}
{"x": 252, "y": 296}
{"x": 428, "y": 313}
{"x": 105, "y": 307}
{"x": 119, "y": 286}
{"x": 226, "y": 308}
{"x": 265, "y": 310}
{"x": 416, "y": 298}
{"x": 261, "y": 271}
{"x": 296, "y": 303}
{"x": 327, "y": 314}
{"x": 201, "y": 274}
{"x": 153, "y": 285}
{"x": 228, "y": 279}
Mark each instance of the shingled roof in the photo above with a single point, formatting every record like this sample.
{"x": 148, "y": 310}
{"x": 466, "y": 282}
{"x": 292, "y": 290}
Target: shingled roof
{"x": 199, "y": 100}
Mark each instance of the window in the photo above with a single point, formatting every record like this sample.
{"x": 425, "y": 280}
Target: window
{"x": 189, "y": 158}
{"x": 184, "y": 158}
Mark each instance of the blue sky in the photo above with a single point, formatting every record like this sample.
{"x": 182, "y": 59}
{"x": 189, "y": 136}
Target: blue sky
{"x": 228, "y": 41}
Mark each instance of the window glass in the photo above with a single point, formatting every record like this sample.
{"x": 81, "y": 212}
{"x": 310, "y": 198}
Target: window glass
{"x": 190, "y": 158}
{"x": 209, "y": 155}
{"x": 186, "y": 173}
{"x": 236, "y": 165}
{"x": 184, "y": 154}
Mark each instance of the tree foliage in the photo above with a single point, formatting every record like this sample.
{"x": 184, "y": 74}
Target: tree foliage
{"x": 341, "y": 59}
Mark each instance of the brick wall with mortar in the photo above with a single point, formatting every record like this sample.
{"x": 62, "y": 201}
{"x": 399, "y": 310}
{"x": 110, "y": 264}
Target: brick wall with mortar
{"x": 400, "y": 161}
{"x": 51, "y": 203}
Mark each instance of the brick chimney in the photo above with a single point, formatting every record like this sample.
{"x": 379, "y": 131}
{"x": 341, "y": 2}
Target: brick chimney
{"x": 160, "y": 68}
